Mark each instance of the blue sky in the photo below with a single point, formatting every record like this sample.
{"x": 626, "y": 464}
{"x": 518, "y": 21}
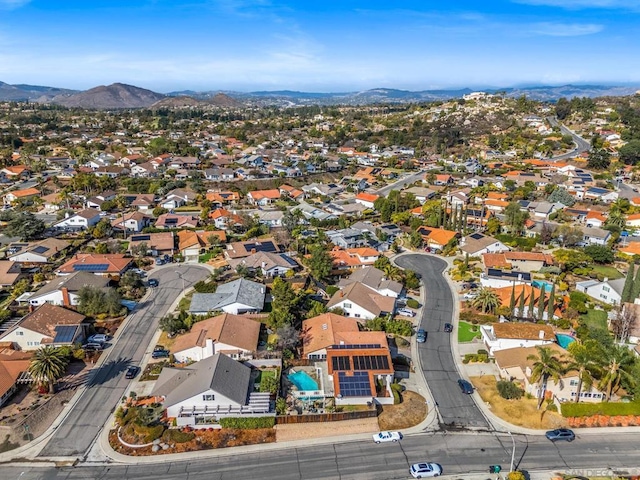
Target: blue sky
{"x": 315, "y": 45}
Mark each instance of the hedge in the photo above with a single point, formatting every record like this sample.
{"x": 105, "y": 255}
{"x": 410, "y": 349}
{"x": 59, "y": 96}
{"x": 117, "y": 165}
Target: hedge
{"x": 412, "y": 303}
{"x": 604, "y": 408}
{"x": 248, "y": 423}
{"x": 177, "y": 436}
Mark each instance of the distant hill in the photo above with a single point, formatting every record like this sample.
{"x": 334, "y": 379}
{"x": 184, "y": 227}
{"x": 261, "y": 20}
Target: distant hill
{"x": 224, "y": 100}
{"x": 176, "y": 102}
{"x": 115, "y": 96}
{"x": 18, "y": 93}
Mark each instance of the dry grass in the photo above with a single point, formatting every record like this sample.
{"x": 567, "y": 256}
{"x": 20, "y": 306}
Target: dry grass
{"x": 523, "y": 412}
{"x": 165, "y": 341}
{"x": 301, "y": 431}
{"x": 409, "y": 413}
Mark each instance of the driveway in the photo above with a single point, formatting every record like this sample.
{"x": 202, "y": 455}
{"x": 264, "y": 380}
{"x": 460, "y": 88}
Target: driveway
{"x": 456, "y": 409}
{"x": 106, "y": 384}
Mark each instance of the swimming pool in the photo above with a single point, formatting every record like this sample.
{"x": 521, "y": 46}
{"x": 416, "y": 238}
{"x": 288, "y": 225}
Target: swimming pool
{"x": 541, "y": 283}
{"x": 564, "y": 340}
{"x": 303, "y": 381}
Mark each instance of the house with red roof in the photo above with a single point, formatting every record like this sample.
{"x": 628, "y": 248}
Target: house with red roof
{"x": 367, "y": 199}
{"x": 263, "y": 198}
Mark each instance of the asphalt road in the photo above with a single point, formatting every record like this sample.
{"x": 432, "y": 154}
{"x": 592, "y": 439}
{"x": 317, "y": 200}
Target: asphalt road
{"x": 107, "y": 385}
{"x": 458, "y": 453}
{"x": 456, "y": 409}
{"x": 581, "y": 144}
{"x": 400, "y": 184}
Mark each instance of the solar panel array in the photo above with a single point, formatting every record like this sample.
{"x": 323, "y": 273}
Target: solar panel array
{"x": 341, "y": 363}
{"x": 64, "y": 333}
{"x": 140, "y": 238}
{"x": 357, "y": 385}
{"x": 91, "y": 267}
{"x": 40, "y": 249}
{"x": 476, "y": 236}
{"x": 356, "y": 346}
{"x": 370, "y": 362}
{"x": 261, "y": 247}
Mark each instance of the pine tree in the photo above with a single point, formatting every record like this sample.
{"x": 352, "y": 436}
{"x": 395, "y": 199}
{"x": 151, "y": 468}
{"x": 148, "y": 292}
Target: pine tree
{"x": 635, "y": 290}
{"x": 551, "y": 307}
{"x": 521, "y": 305}
{"x": 466, "y": 261}
{"x": 512, "y": 302}
{"x": 627, "y": 290}
{"x": 543, "y": 290}
{"x": 532, "y": 303}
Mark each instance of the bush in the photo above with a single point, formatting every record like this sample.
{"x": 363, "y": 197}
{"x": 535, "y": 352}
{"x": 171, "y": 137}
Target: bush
{"x": 332, "y": 289}
{"x": 552, "y": 407}
{"x": 412, "y": 303}
{"x": 399, "y": 327}
{"x": 604, "y": 408}
{"x": 396, "y": 388}
{"x": 149, "y": 433}
{"x": 509, "y": 390}
{"x": 248, "y": 423}
{"x": 177, "y": 436}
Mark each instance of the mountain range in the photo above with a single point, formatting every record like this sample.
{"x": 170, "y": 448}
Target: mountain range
{"x": 120, "y": 96}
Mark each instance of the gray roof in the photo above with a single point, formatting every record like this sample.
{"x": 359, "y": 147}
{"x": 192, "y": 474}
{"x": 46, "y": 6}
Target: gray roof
{"x": 73, "y": 282}
{"x": 595, "y": 232}
{"x": 219, "y": 373}
{"x": 241, "y": 291}
{"x": 372, "y": 278}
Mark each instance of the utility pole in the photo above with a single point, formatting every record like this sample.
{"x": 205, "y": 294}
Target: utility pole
{"x": 513, "y": 452}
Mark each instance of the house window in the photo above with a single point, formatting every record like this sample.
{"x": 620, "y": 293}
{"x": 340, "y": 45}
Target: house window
{"x": 606, "y": 289}
{"x": 208, "y": 398}
{"x": 603, "y": 296}
{"x": 357, "y": 315}
{"x": 19, "y": 333}
{"x": 573, "y": 383}
{"x": 348, "y": 305}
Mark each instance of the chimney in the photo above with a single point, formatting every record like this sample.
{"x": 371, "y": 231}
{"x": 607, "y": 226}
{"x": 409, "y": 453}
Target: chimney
{"x": 253, "y": 250}
{"x": 541, "y": 334}
{"x": 341, "y": 293}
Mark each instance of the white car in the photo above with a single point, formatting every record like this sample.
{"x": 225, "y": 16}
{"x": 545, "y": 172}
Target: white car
{"x": 470, "y": 295}
{"x": 387, "y": 437}
{"x": 426, "y": 469}
{"x": 405, "y": 312}
{"x": 97, "y": 338}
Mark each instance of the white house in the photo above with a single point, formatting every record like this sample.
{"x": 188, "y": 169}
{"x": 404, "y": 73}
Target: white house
{"x": 39, "y": 252}
{"x": 233, "y": 335}
{"x": 239, "y": 296}
{"x": 375, "y": 280}
{"x": 477, "y": 244}
{"x": 501, "y": 336}
{"x": 359, "y": 301}
{"x": 131, "y": 222}
{"x": 596, "y": 236}
{"x": 268, "y": 263}
{"x": 64, "y": 290}
{"x": 82, "y": 220}
{"x": 607, "y": 291}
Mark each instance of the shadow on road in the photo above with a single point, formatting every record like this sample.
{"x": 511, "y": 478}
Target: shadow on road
{"x": 108, "y": 371}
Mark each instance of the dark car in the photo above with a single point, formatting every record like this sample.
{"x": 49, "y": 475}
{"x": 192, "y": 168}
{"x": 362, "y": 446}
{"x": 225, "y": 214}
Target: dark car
{"x": 421, "y": 336}
{"x": 153, "y": 282}
{"x": 132, "y": 371}
{"x": 448, "y": 327}
{"x": 561, "y": 434}
{"x": 465, "y": 386}
{"x": 160, "y": 354}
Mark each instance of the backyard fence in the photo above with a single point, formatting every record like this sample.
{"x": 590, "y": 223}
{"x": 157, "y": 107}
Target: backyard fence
{"x": 326, "y": 417}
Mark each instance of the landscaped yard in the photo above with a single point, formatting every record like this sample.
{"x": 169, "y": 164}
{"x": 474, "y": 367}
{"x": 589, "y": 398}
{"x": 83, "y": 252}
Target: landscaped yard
{"x": 609, "y": 272}
{"x": 465, "y": 334}
{"x": 409, "y": 413}
{"x": 595, "y": 319}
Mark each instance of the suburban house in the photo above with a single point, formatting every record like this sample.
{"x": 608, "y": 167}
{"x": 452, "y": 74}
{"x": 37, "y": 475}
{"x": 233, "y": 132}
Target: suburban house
{"x": 263, "y": 198}
{"x": 223, "y": 198}
{"x": 375, "y": 280}
{"x": 36, "y": 252}
{"x": 98, "y": 200}
{"x": 323, "y": 331}
{"x": 237, "y": 297}
{"x": 81, "y": 220}
{"x": 218, "y": 174}
{"x": 359, "y": 301}
{"x": 501, "y": 336}
{"x": 178, "y": 198}
{"x": 526, "y": 290}
{"x": 227, "y": 334}
{"x": 24, "y": 195}
{"x": 10, "y": 273}
{"x": 367, "y": 199}
{"x": 223, "y": 219}
{"x": 607, "y": 291}
{"x": 107, "y": 264}
{"x": 292, "y": 192}
{"x": 422, "y": 194}
{"x": 436, "y": 238}
{"x": 174, "y": 220}
{"x": 348, "y": 237}
{"x": 516, "y": 364}
{"x": 13, "y": 368}
{"x": 497, "y": 278}
{"x": 159, "y": 243}
{"x": 353, "y": 258}
{"x": 47, "y": 325}
{"x": 477, "y": 244}
{"x": 518, "y": 261}
{"x": 64, "y": 290}
{"x": 596, "y": 236}
{"x": 143, "y": 202}
{"x": 213, "y": 388}
{"x": 191, "y": 244}
{"x": 267, "y": 263}
{"x": 131, "y": 222}
{"x": 244, "y": 249}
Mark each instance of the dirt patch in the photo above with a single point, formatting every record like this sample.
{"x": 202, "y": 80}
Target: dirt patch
{"x": 523, "y": 412}
{"x": 302, "y": 431}
{"x": 409, "y": 413}
{"x": 205, "y": 439}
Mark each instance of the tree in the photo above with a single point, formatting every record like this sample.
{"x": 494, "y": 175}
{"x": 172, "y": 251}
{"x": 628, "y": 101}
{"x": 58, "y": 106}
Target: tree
{"x": 140, "y": 250}
{"x": 493, "y": 226}
{"x": 616, "y": 218}
{"x": 532, "y": 303}
{"x": 568, "y": 235}
{"x": 599, "y": 253}
{"x": 622, "y": 322}
{"x": 635, "y": 290}
{"x": 316, "y": 308}
{"x": 563, "y": 108}
{"x": 618, "y": 361}
{"x": 94, "y": 301}
{"x": 512, "y": 301}
{"x": 585, "y": 362}
{"x": 171, "y": 324}
{"x": 415, "y": 239}
{"x": 627, "y": 289}
{"x": 599, "y": 159}
{"x": 571, "y": 259}
{"x": 47, "y": 365}
{"x": 487, "y": 300}
{"x": 25, "y": 226}
{"x": 515, "y": 218}
{"x": 551, "y": 306}
{"x": 285, "y": 303}
{"x": 546, "y": 233}
{"x": 288, "y": 337}
{"x": 560, "y": 195}
{"x": 546, "y": 366}
{"x": 521, "y": 301}
{"x": 102, "y": 229}
{"x": 320, "y": 263}
{"x": 630, "y": 153}
{"x": 411, "y": 280}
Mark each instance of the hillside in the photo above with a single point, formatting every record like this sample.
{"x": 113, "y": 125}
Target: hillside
{"x": 113, "y": 96}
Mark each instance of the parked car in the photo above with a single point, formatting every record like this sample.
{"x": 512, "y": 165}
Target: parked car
{"x": 405, "y": 312}
{"x": 448, "y": 328}
{"x": 100, "y": 338}
{"x": 159, "y": 261}
{"x": 93, "y": 346}
{"x": 465, "y": 386}
{"x": 387, "y": 437}
{"x": 421, "y": 336}
{"x": 153, "y": 282}
{"x": 561, "y": 434}
{"x": 139, "y": 271}
{"x": 425, "y": 470}
{"x": 469, "y": 295}
{"x": 160, "y": 354}
{"x": 131, "y": 372}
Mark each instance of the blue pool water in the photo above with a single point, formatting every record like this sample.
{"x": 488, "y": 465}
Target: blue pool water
{"x": 303, "y": 381}
{"x": 564, "y": 340}
{"x": 541, "y": 283}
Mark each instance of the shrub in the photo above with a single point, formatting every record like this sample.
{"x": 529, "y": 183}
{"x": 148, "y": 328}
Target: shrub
{"x": 177, "y": 436}
{"x": 396, "y": 388}
{"x": 482, "y": 351}
{"x": 604, "y": 408}
{"x": 509, "y": 390}
{"x": 399, "y": 327}
{"x": 412, "y": 303}
{"x": 332, "y": 289}
{"x": 149, "y": 433}
{"x": 552, "y": 407}
{"x": 516, "y": 476}
{"x": 248, "y": 423}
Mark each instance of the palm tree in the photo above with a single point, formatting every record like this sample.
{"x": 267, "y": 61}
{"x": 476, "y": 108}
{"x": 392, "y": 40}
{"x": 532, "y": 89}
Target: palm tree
{"x": 546, "y": 366}
{"x": 617, "y": 361}
{"x": 585, "y": 362}
{"x": 487, "y": 300}
{"x": 616, "y": 218}
{"x": 392, "y": 272}
{"x": 47, "y": 365}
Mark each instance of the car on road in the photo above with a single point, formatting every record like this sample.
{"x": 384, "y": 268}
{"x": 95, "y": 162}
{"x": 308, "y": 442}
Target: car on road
{"x": 153, "y": 282}
{"x": 387, "y": 437}
{"x": 561, "y": 434}
{"x": 405, "y": 312}
{"x": 131, "y": 372}
{"x": 448, "y": 328}
{"x": 421, "y": 336}
{"x": 160, "y": 354}
{"x": 465, "y": 386}
{"x": 425, "y": 470}
{"x": 98, "y": 338}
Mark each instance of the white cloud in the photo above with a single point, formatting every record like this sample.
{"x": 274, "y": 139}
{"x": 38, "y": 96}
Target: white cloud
{"x": 565, "y": 29}
{"x": 585, "y": 4}
{"x": 12, "y": 4}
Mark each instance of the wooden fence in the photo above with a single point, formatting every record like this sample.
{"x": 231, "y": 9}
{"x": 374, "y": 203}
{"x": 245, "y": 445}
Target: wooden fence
{"x": 326, "y": 417}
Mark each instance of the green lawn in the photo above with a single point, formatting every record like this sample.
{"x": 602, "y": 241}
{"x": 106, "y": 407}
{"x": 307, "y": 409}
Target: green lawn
{"x": 465, "y": 334}
{"x": 609, "y": 272}
{"x": 205, "y": 257}
{"x": 595, "y": 319}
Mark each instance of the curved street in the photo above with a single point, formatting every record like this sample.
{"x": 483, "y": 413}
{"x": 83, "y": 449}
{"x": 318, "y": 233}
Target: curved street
{"x": 106, "y": 384}
{"x": 581, "y": 144}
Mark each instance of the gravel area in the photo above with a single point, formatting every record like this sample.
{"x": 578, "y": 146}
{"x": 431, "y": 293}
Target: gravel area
{"x": 301, "y": 431}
